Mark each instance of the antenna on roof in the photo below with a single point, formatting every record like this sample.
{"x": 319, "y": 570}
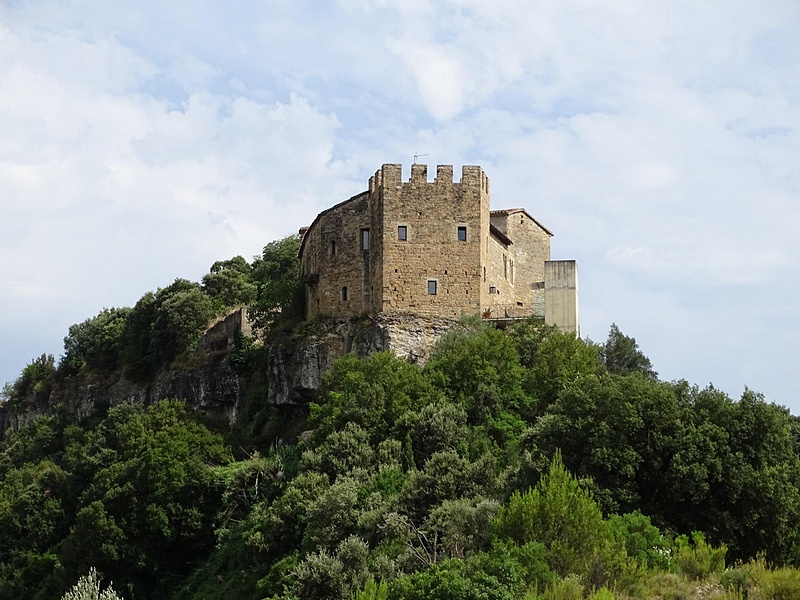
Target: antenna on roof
{"x": 416, "y": 156}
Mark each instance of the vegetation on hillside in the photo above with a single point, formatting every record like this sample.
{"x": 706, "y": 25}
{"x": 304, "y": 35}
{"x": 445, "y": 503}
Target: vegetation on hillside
{"x": 523, "y": 463}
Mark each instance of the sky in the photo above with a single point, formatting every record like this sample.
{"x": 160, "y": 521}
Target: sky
{"x": 143, "y": 141}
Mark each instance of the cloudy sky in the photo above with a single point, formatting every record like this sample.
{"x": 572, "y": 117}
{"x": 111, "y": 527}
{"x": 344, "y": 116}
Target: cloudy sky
{"x": 659, "y": 141}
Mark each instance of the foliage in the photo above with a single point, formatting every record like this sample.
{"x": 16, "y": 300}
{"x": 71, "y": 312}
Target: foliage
{"x": 88, "y": 588}
{"x": 697, "y": 559}
{"x": 372, "y": 591}
{"x": 373, "y": 393}
{"x": 128, "y": 495}
{"x": 621, "y": 355}
{"x": 562, "y": 359}
{"x": 230, "y": 283}
{"x": 480, "y": 369}
{"x": 449, "y": 580}
{"x": 95, "y": 344}
{"x": 563, "y": 517}
{"x": 524, "y": 463}
{"x": 642, "y": 540}
{"x": 280, "y": 296}
{"x": 34, "y": 382}
{"x": 163, "y": 325}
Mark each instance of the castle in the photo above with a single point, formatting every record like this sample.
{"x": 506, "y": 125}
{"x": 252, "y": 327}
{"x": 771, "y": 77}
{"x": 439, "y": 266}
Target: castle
{"x": 434, "y": 249}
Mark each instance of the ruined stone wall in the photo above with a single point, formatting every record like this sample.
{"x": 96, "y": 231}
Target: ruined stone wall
{"x": 431, "y": 214}
{"x": 332, "y": 260}
{"x": 221, "y": 335}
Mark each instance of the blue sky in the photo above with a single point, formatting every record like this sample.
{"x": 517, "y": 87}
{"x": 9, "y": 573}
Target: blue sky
{"x": 140, "y": 142}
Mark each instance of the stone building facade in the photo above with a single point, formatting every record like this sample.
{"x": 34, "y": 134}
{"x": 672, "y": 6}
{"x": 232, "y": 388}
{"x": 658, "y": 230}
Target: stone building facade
{"x": 427, "y": 248}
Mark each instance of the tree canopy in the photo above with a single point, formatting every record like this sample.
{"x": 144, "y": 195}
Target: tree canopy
{"x": 517, "y": 463}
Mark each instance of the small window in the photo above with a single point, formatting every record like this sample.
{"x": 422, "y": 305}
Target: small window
{"x": 333, "y": 247}
{"x": 344, "y": 294}
{"x": 462, "y": 233}
{"x": 402, "y": 233}
{"x": 365, "y": 239}
{"x": 431, "y": 287}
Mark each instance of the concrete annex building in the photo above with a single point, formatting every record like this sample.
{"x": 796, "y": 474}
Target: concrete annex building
{"x": 434, "y": 249}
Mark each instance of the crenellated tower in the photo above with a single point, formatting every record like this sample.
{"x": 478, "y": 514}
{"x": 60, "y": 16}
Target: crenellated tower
{"x": 430, "y": 248}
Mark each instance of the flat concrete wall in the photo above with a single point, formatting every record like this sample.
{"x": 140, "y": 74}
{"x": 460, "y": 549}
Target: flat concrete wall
{"x": 561, "y": 295}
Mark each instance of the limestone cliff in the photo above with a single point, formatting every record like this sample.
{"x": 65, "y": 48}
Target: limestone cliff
{"x": 209, "y": 383}
{"x": 296, "y": 366}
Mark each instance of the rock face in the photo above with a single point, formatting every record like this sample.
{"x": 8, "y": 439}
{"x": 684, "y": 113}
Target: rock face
{"x": 295, "y": 367}
{"x": 210, "y": 386}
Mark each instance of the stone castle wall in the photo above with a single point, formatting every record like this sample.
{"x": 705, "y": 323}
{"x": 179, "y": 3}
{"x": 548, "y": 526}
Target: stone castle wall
{"x": 432, "y": 252}
{"x": 430, "y": 249}
{"x": 339, "y": 272}
{"x": 526, "y": 259}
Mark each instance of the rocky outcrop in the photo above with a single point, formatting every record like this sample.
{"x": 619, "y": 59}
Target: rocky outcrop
{"x": 210, "y": 386}
{"x": 296, "y": 365}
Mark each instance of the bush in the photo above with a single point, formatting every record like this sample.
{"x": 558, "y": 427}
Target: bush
{"x": 698, "y": 560}
{"x": 88, "y": 588}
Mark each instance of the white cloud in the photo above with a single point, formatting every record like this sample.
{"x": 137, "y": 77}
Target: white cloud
{"x": 142, "y": 142}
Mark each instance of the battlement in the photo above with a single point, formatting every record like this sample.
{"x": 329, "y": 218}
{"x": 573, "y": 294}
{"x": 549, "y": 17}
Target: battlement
{"x": 391, "y": 175}
{"x": 426, "y": 247}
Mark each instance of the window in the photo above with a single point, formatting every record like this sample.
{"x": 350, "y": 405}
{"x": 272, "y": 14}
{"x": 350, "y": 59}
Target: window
{"x": 333, "y": 247}
{"x": 462, "y": 233}
{"x": 431, "y": 287}
{"x": 365, "y": 239}
{"x": 402, "y": 233}
{"x": 344, "y": 294}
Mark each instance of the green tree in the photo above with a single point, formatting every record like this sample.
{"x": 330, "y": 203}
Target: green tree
{"x": 561, "y": 359}
{"x": 373, "y": 392}
{"x": 230, "y": 283}
{"x": 281, "y": 293}
{"x": 163, "y": 325}
{"x": 95, "y": 343}
{"x": 479, "y": 368}
{"x": 617, "y": 430}
{"x": 621, "y": 355}
{"x": 35, "y": 381}
{"x": 449, "y": 580}
{"x": 562, "y": 516}
{"x": 142, "y": 518}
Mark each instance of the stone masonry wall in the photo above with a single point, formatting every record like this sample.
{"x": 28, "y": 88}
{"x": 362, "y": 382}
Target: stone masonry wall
{"x": 421, "y": 232}
{"x": 431, "y": 214}
{"x": 529, "y": 252}
{"x": 332, "y": 260}
{"x": 498, "y": 281}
